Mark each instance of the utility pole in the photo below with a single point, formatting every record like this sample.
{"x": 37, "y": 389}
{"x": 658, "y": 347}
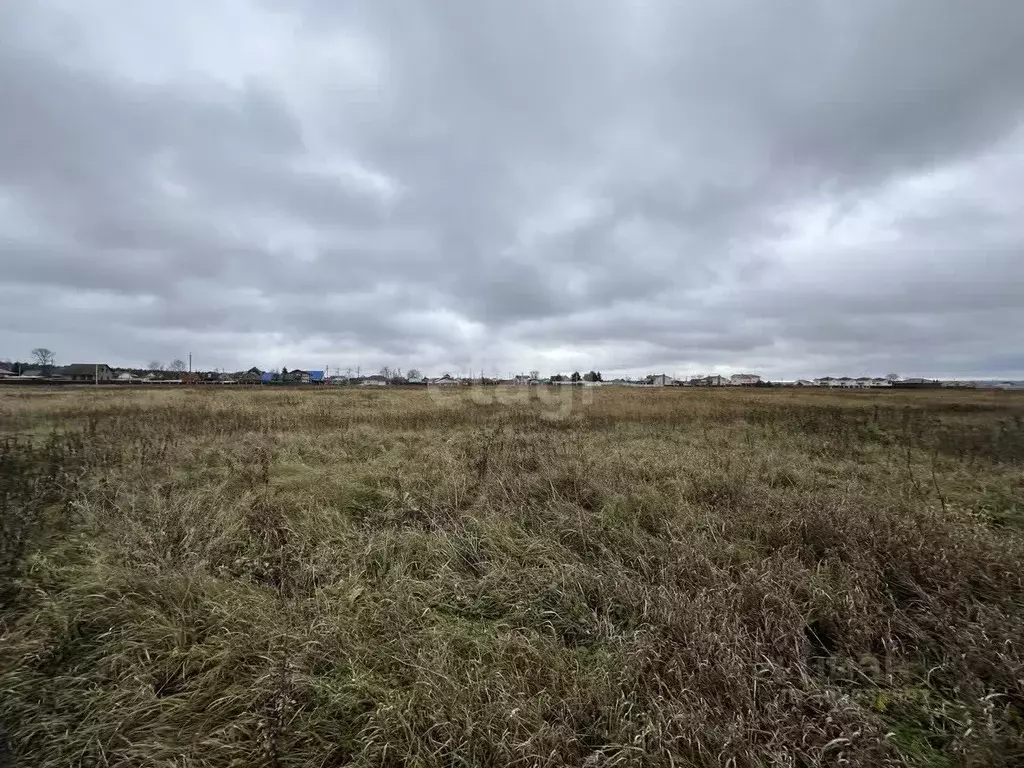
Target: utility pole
{"x": 190, "y": 362}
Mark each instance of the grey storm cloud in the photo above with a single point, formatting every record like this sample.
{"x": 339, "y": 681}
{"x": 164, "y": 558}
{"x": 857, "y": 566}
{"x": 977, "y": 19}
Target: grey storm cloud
{"x": 680, "y": 186}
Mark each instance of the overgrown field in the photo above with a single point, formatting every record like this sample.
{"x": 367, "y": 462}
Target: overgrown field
{"x": 391, "y": 578}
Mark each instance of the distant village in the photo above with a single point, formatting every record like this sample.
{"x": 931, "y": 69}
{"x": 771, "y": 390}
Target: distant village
{"x": 44, "y": 371}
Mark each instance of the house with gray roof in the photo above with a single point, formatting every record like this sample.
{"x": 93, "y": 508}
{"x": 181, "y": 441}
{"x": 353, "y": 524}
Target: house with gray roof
{"x": 86, "y": 372}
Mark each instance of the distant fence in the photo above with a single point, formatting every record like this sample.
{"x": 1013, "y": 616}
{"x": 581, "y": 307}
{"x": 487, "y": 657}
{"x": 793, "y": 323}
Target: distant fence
{"x": 247, "y": 385}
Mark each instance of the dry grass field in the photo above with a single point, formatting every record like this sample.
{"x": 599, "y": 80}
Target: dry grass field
{"x": 400, "y": 578}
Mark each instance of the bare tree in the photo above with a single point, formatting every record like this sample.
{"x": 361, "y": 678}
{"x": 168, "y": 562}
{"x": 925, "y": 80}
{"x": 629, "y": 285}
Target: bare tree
{"x": 178, "y": 366}
{"x": 534, "y": 374}
{"x": 155, "y": 365}
{"x": 893, "y": 377}
{"x": 44, "y": 357}
{"x": 385, "y": 372}
{"x": 414, "y": 374}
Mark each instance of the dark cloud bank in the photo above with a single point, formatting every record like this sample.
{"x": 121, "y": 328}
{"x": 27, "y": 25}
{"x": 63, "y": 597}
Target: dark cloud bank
{"x": 796, "y": 189}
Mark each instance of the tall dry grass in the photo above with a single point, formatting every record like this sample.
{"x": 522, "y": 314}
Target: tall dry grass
{"x": 677, "y": 578}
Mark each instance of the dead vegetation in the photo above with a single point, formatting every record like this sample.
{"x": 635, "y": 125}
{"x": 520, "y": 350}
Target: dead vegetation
{"x": 668, "y": 578}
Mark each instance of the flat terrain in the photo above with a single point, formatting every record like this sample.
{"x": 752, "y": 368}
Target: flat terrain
{"x": 622, "y": 577}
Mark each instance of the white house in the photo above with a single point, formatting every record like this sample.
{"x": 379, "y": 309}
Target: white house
{"x": 744, "y": 379}
{"x": 662, "y": 380}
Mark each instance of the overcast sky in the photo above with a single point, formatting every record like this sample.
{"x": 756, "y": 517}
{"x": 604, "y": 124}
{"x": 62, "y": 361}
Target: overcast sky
{"x": 790, "y": 188}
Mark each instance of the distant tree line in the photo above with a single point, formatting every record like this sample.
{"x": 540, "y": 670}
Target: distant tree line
{"x": 576, "y": 377}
